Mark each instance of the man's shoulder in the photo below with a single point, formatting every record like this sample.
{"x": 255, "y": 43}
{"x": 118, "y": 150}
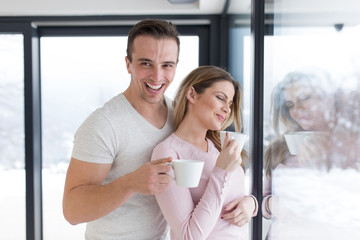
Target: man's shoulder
{"x": 115, "y": 102}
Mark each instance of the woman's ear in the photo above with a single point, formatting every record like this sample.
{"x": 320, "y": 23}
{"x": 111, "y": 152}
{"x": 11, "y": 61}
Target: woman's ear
{"x": 191, "y": 95}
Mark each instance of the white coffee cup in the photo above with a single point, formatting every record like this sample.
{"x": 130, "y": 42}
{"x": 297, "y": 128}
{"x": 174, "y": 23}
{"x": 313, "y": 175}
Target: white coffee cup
{"x": 295, "y": 139}
{"x": 239, "y": 137}
{"x": 187, "y": 172}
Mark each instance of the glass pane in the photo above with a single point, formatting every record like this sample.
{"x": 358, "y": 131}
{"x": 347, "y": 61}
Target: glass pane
{"x": 12, "y": 150}
{"x": 311, "y": 130}
{"x": 79, "y": 74}
{"x": 240, "y": 68}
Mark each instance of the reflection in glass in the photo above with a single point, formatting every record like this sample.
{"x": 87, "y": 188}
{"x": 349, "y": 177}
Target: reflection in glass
{"x": 79, "y": 74}
{"x": 311, "y": 163}
{"x": 12, "y": 161}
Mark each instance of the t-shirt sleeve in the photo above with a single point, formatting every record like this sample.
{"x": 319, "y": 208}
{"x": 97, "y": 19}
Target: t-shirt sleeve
{"x": 94, "y": 141}
{"x": 186, "y": 220}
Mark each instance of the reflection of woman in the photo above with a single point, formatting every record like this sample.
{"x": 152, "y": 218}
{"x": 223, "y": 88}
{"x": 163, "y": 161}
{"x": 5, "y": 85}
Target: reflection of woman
{"x": 297, "y": 105}
{"x": 208, "y": 100}
{"x": 308, "y": 101}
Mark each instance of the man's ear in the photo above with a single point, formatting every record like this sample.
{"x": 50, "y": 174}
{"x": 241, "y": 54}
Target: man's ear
{"x": 127, "y": 61}
{"x": 191, "y": 94}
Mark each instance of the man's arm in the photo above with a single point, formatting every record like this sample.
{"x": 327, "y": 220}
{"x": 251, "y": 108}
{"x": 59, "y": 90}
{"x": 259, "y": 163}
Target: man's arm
{"x": 86, "y": 199}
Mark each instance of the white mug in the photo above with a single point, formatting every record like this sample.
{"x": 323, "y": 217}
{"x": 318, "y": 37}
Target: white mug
{"x": 239, "y": 137}
{"x": 295, "y": 139}
{"x": 187, "y": 172}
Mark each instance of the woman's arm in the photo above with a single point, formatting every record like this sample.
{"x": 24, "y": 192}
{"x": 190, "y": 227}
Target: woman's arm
{"x": 186, "y": 220}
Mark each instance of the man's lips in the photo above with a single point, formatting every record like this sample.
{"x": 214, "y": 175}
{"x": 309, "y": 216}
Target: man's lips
{"x": 154, "y": 87}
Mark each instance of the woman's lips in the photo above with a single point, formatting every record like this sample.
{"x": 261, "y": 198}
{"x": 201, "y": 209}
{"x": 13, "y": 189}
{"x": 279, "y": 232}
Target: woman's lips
{"x": 220, "y": 117}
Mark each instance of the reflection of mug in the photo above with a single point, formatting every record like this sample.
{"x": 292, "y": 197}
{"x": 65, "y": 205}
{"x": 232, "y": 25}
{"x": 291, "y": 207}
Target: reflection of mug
{"x": 239, "y": 137}
{"x": 187, "y": 172}
{"x": 295, "y": 139}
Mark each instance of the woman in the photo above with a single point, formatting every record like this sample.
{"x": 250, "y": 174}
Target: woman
{"x": 310, "y": 101}
{"x": 208, "y": 100}
{"x": 302, "y": 101}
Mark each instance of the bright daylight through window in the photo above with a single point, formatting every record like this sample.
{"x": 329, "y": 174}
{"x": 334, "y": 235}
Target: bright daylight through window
{"x": 12, "y": 160}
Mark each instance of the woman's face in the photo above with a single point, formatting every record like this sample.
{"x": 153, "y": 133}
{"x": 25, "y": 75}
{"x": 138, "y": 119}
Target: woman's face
{"x": 310, "y": 110}
{"x": 212, "y": 107}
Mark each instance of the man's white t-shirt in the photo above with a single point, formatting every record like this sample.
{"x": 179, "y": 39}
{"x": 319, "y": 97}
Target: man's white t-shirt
{"x": 118, "y": 134}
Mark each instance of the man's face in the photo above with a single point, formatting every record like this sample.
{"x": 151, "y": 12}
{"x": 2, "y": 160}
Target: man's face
{"x": 153, "y": 67}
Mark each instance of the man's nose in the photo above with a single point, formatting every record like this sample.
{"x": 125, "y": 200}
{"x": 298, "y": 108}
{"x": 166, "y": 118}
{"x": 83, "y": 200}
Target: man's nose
{"x": 157, "y": 74}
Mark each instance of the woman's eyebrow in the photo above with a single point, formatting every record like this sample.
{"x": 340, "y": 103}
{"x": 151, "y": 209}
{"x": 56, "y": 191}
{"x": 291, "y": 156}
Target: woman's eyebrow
{"x": 226, "y": 96}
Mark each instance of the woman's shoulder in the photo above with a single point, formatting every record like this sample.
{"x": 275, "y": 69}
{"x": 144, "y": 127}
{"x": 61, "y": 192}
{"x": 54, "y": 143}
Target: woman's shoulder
{"x": 211, "y": 147}
{"x": 165, "y": 148}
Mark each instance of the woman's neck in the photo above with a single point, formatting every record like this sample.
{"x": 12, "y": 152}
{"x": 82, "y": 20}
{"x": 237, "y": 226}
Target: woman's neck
{"x": 192, "y": 132}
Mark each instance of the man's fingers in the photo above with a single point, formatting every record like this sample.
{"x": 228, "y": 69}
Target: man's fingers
{"x": 161, "y": 165}
{"x": 162, "y": 160}
{"x": 163, "y": 183}
{"x": 164, "y": 179}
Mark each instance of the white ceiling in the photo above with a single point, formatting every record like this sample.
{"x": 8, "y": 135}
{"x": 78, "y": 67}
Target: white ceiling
{"x": 329, "y": 11}
{"x": 106, "y": 7}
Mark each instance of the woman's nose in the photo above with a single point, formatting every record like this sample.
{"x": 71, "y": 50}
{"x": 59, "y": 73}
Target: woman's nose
{"x": 298, "y": 109}
{"x": 226, "y": 108}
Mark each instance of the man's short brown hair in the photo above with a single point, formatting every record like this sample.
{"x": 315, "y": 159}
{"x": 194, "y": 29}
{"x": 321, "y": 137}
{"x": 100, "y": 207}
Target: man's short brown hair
{"x": 155, "y": 28}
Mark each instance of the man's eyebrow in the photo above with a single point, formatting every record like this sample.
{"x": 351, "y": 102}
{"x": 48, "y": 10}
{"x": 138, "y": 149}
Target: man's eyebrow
{"x": 149, "y": 60}
{"x": 144, "y": 60}
{"x": 169, "y": 62}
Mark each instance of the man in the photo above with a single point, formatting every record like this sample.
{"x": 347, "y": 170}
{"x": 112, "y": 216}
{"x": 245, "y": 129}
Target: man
{"x": 110, "y": 180}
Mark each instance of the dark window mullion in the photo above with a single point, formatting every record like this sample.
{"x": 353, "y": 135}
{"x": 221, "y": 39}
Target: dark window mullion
{"x": 32, "y": 134}
{"x": 256, "y": 123}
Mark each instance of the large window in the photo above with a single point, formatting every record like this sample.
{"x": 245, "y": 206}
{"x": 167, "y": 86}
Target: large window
{"x": 312, "y": 83}
{"x": 322, "y": 177}
{"x": 12, "y": 160}
{"x": 79, "y": 74}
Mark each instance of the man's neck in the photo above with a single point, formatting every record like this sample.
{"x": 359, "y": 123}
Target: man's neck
{"x": 154, "y": 113}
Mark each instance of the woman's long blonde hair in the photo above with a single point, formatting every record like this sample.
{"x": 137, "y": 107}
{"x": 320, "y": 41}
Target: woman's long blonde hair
{"x": 200, "y": 79}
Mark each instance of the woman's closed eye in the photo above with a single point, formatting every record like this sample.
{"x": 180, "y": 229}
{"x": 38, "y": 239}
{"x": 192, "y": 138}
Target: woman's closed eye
{"x": 304, "y": 98}
{"x": 289, "y": 105}
{"x": 220, "y": 98}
